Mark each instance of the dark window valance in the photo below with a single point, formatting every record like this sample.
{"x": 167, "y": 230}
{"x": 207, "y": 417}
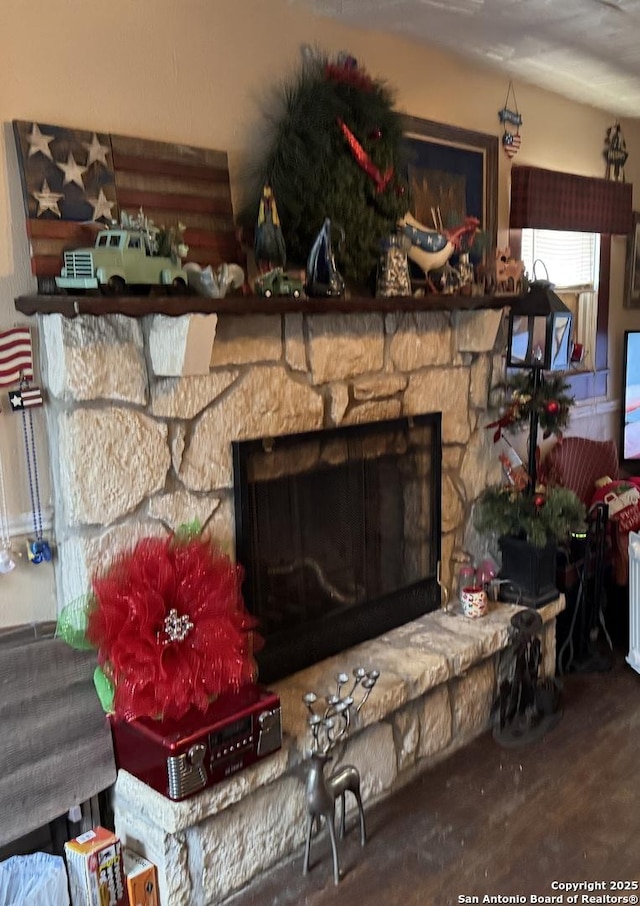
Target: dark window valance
{"x": 549, "y": 200}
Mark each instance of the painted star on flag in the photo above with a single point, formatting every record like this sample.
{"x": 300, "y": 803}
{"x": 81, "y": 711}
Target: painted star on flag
{"x": 47, "y": 200}
{"x": 39, "y": 142}
{"x": 15, "y": 400}
{"x": 97, "y": 152}
{"x": 101, "y": 206}
{"x": 72, "y": 171}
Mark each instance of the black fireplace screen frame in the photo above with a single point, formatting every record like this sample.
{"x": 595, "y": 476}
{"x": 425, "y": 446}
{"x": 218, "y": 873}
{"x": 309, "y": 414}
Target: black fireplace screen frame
{"x": 290, "y": 648}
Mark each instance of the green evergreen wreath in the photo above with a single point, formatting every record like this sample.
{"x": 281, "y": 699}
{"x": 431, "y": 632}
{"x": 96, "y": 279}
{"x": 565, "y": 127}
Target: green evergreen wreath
{"x": 317, "y": 168}
{"x": 550, "y": 399}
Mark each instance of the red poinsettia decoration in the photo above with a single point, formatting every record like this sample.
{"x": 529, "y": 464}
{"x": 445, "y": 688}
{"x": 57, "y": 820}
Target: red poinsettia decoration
{"x": 171, "y": 628}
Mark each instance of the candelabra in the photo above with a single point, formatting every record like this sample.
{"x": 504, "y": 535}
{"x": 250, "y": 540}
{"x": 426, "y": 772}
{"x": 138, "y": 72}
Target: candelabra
{"x": 329, "y": 723}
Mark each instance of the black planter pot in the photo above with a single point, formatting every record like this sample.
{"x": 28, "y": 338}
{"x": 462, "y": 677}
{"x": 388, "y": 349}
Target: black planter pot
{"x": 530, "y": 572}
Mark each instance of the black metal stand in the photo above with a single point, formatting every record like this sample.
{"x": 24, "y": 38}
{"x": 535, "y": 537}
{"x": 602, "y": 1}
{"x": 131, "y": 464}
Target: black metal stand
{"x": 581, "y": 650}
{"x": 525, "y": 709}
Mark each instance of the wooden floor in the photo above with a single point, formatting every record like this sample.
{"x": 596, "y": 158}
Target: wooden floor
{"x": 497, "y": 821}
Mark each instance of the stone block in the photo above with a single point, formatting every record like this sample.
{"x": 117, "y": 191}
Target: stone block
{"x": 419, "y": 339}
{"x": 180, "y": 507}
{"x": 373, "y": 411}
{"x": 344, "y": 346}
{"x": 88, "y": 358}
{"x": 240, "y": 340}
{"x": 472, "y": 697}
{"x": 443, "y": 390}
{"x": 295, "y": 352}
{"x": 378, "y": 387}
{"x": 87, "y": 554}
{"x": 373, "y": 752}
{"x": 185, "y": 398}
{"x": 181, "y": 346}
{"x": 110, "y": 460}
{"x": 265, "y": 402}
{"x": 247, "y": 838}
{"x": 406, "y": 726}
{"x": 339, "y": 402}
{"x": 476, "y": 331}
{"x": 436, "y": 722}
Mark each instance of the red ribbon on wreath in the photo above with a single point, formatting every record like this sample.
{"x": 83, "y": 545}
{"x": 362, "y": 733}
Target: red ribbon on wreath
{"x": 381, "y": 180}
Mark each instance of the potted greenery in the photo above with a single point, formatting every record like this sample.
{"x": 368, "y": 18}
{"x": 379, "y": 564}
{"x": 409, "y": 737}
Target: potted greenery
{"x": 528, "y": 519}
{"x": 529, "y": 527}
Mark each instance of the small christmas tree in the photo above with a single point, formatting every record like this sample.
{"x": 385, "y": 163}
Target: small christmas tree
{"x": 528, "y": 510}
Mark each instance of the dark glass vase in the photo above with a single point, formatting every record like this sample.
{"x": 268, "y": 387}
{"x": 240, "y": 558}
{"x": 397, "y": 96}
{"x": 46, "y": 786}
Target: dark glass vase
{"x": 323, "y": 277}
{"x": 531, "y": 572}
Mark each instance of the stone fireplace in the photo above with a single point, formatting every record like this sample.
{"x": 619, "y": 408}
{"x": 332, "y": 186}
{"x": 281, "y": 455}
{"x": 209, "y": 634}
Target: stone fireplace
{"x": 144, "y": 416}
{"x": 140, "y": 444}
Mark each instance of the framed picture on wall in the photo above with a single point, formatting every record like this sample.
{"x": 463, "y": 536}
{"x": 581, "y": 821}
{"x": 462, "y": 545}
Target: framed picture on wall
{"x": 632, "y": 290}
{"x": 451, "y": 173}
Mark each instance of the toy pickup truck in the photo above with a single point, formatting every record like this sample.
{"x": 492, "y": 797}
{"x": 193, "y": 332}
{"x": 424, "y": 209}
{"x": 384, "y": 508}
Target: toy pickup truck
{"x": 121, "y": 257}
{"x": 278, "y": 283}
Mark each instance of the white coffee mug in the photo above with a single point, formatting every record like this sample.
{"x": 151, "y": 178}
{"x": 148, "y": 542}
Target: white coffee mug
{"x": 474, "y": 601}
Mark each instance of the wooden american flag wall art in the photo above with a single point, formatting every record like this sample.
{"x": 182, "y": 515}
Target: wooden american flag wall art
{"x": 73, "y": 180}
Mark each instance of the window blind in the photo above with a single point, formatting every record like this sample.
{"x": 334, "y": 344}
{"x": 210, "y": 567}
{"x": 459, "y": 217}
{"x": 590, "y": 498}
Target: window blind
{"x": 570, "y": 259}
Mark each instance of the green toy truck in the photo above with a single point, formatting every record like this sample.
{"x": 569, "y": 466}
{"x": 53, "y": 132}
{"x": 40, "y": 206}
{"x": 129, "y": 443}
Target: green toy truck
{"x": 121, "y": 257}
{"x": 278, "y": 283}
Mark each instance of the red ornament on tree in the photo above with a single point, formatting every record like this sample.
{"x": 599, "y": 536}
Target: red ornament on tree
{"x": 552, "y": 407}
{"x": 538, "y": 501}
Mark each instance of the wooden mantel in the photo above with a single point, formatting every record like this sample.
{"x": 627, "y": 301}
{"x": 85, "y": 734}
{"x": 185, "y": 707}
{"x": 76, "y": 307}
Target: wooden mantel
{"x": 138, "y": 306}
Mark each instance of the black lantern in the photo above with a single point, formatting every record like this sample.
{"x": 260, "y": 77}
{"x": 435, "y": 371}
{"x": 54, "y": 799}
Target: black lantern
{"x": 540, "y": 330}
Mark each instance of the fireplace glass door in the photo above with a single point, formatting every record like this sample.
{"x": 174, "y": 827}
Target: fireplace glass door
{"x": 339, "y": 534}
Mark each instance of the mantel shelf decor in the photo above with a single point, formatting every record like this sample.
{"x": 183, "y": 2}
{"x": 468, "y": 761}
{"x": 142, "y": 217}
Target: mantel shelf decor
{"x": 137, "y": 307}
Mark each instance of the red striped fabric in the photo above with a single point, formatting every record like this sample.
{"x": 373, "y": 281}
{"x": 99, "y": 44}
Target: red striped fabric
{"x": 74, "y": 180}
{"x": 550, "y": 200}
{"x": 16, "y": 356}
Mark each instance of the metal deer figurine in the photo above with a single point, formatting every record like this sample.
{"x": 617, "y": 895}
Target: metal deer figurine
{"x": 327, "y": 729}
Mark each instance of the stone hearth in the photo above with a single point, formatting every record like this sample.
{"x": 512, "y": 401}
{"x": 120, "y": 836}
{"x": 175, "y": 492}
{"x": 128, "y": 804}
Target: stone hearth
{"x": 437, "y": 684}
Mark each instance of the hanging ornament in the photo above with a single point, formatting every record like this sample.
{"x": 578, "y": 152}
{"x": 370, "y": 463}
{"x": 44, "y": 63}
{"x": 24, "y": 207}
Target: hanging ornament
{"x": 615, "y": 153}
{"x": 16, "y": 362}
{"x": 552, "y": 407}
{"x": 539, "y": 501}
{"x": 510, "y": 118}
{"x": 24, "y": 400}
{"x": 7, "y": 563}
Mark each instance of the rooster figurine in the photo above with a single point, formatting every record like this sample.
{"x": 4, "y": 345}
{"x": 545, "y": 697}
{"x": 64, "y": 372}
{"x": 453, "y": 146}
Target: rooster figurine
{"x": 431, "y": 249}
{"x": 269, "y": 247}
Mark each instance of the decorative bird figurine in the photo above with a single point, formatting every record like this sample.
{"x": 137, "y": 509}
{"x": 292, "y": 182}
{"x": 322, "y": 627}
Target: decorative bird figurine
{"x": 269, "y": 246}
{"x": 431, "y": 249}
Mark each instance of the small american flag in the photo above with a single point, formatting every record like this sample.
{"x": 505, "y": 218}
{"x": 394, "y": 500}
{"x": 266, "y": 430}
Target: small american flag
{"x": 25, "y": 399}
{"x": 511, "y": 143}
{"x": 16, "y": 356}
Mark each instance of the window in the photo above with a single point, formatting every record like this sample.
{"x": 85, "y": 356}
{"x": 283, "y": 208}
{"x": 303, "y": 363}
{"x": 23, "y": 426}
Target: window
{"x": 571, "y": 261}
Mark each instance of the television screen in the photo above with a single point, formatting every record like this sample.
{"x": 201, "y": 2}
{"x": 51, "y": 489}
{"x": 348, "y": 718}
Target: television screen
{"x": 630, "y": 441}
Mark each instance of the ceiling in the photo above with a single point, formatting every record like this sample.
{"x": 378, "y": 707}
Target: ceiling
{"x": 586, "y": 50}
